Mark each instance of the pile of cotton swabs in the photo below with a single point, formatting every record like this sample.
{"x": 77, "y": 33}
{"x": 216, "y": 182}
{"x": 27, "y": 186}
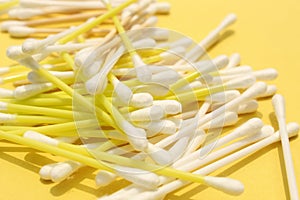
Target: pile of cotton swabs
{"x": 143, "y": 105}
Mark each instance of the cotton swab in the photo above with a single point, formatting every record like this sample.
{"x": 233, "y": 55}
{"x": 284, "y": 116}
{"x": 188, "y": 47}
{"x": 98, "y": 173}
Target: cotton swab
{"x": 252, "y": 126}
{"x": 279, "y": 107}
{"x": 207, "y": 42}
{"x": 293, "y": 128}
{"x": 271, "y": 90}
{"x": 197, "y": 163}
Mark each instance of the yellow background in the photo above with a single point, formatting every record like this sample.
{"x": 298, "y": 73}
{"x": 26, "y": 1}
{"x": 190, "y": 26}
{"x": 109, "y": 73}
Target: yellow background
{"x": 266, "y": 35}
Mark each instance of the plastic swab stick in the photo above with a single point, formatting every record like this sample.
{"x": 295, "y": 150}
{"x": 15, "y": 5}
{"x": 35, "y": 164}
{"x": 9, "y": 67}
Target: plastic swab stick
{"x": 279, "y": 107}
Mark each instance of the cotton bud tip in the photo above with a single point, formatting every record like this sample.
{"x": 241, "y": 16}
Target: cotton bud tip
{"x": 226, "y": 185}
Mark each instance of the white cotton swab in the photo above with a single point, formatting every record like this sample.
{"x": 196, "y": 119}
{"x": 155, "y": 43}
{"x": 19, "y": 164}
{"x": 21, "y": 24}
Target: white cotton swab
{"x": 194, "y": 164}
{"x": 207, "y": 42}
{"x": 293, "y": 129}
{"x": 279, "y": 107}
{"x": 251, "y": 127}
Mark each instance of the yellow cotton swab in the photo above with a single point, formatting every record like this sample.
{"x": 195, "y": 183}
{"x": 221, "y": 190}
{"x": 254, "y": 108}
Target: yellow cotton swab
{"x": 15, "y": 119}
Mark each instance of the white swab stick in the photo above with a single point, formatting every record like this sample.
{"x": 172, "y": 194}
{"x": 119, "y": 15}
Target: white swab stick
{"x": 228, "y": 119}
{"x": 255, "y": 90}
{"x": 207, "y": 42}
{"x": 164, "y": 190}
{"x": 251, "y": 127}
{"x": 195, "y": 163}
{"x": 279, "y": 107}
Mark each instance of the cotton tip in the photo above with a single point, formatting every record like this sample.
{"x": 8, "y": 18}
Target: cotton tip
{"x": 30, "y": 45}
{"x": 40, "y": 138}
{"x": 5, "y": 93}
{"x": 155, "y": 90}
{"x": 26, "y": 91}
{"x": 221, "y": 61}
{"x": 163, "y": 8}
{"x": 234, "y": 60}
{"x": 8, "y": 24}
{"x": 223, "y": 97}
{"x": 227, "y": 185}
{"x": 293, "y": 129}
{"x": 96, "y": 84}
{"x": 151, "y": 21}
{"x": 143, "y": 72}
{"x": 104, "y": 178}
{"x": 140, "y": 100}
{"x": 250, "y": 127}
{"x": 21, "y": 31}
{"x": 155, "y": 127}
{"x": 160, "y": 34}
{"x": 123, "y": 92}
{"x": 255, "y": 90}
{"x": 271, "y": 91}
{"x": 165, "y": 78}
{"x": 173, "y": 54}
{"x": 4, "y": 70}
{"x": 279, "y": 106}
{"x": 183, "y": 42}
{"x": 45, "y": 171}
{"x": 237, "y": 70}
{"x": 137, "y": 136}
{"x": 159, "y": 155}
{"x": 63, "y": 170}
{"x": 3, "y": 106}
{"x": 139, "y": 177}
{"x": 154, "y": 112}
{"x": 7, "y": 117}
{"x": 15, "y": 52}
{"x": 248, "y": 107}
{"x": 229, "y": 20}
{"x": 266, "y": 74}
{"x": 170, "y": 107}
{"x": 241, "y": 82}
{"x": 24, "y": 13}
